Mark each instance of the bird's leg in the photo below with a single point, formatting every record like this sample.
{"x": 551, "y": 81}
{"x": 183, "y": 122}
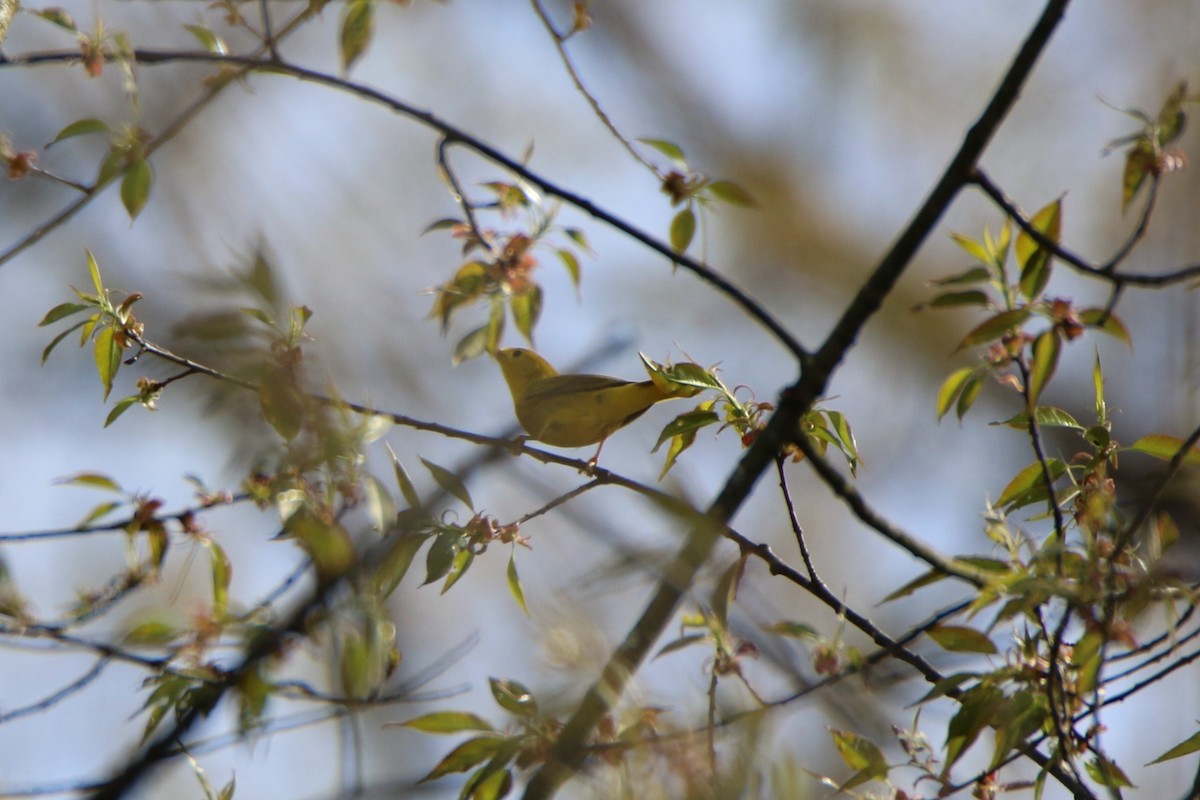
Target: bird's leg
{"x": 590, "y": 468}
{"x": 517, "y": 444}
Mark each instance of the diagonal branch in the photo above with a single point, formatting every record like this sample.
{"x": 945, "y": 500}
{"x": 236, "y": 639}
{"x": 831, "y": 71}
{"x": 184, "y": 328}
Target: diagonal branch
{"x": 570, "y": 749}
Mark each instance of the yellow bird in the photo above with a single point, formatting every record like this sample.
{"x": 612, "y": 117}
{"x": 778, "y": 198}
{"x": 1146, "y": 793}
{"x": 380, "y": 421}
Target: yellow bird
{"x": 572, "y": 410}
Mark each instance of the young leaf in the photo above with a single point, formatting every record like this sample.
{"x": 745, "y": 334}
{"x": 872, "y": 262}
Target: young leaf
{"x": 961, "y": 639}
{"x": 446, "y": 722}
{"x": 513, "y": 697}
{"x": 81, "y": 127}
{"x": 358, "y": 26}
{"x": 995, "y": 327}
{"x": 108, "y": 358}
{"x": 449, "y": 482}
{"x": 731, "y": 193}
{"x": 514, "y": 584}
{"x": 951, "y": 388}
{"x": 526, "y": 308}
{"x": 1185, "y": 748}
{"x": 1046, "y": 349}
{"x": 1164, "y": 447}
{"x": 394, "y": 564}
{"x": 470, "y": 753}
{"x": 668, "y": 149}
{"x": 1106, "y": 322}
{"x": 135, "y": 187}
{"x": 683, "y": 228}
{"x": 1032, "y": 257}
{"x": 402, "y": 480}
{"x": 1028, "y": 485}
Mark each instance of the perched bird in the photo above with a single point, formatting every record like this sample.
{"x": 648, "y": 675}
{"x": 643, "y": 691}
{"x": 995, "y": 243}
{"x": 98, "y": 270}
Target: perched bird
{"x": 573, "y": 410}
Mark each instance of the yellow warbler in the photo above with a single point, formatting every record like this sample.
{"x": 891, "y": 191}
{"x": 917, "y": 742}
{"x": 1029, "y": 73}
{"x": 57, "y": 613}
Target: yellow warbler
{"x": 572, "y": 410}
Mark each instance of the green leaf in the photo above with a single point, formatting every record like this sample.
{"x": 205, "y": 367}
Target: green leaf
{"x": 1140, "y": 163}
{"x": 973, "y": 275}
{"x": 995, "y": 327}
{"x": 961, "y": 639}
{"x": 514, "y": 584}
{"x": 108, "y": 357}
{"x": 120, "y": 408}
{"x": 81, "y": 127}
{"x": 54, "y": 342}
{"x": 526, "y": 308}
{"x": 135, "y": 187}
{"x": 1033, "y": 258}
{"x": 1105, "y": 772}
{"x": 58, "y": 16}
{"x": 1164, "y": 447}
{"x": 62, "y": 311}
{"x": 467, "y": 755}
{"x": 381, "y": 509}
{"x": 1045, "y": 416}
{"x": 1028, "y": 486}
{"x": 209, "y": 40}
{"x": 688, "y": 422}
{"x": 951, "y": 388}
{"x": 977, "y": 251}
{"x": 93, "y": 480}
{"x": 463, "y": 558}
{"x": 94, "y": 272}
{"x": 394, "y": 563}
{"x": 513, "y": 697}
{"x": 358, "y": 26}
{"x": 327, "y": 543}
{"x": 222, "y": 576}
{"x": 969, "y": 297}
{"x": 449, "y": 482}
{"x": 571, "y": 262}
{"x": 446, "y": 722}
{"x": 861, "y": 755}
{"x": 473, "y": 345}
{"x": 668, "y": 149}
{"x": 1106, "y": 322}
{"x": 1185, "y": 748}
{"x": 402, "y": 480}
{"x": 683, "y": 228}
{"x": 795, "y": 630}
{"x": 681, "y": 643}
{"x": 731, "y": 193}
{"x": 1046, "y": 350}
{"x": 440, "y": 556}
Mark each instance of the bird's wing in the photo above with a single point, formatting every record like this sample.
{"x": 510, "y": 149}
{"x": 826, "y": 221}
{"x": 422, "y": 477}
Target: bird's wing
{"x": 560, "y": 385}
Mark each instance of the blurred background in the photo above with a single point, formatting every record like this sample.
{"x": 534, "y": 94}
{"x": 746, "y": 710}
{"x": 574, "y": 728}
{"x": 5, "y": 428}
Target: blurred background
{"x": 837, "y": 117}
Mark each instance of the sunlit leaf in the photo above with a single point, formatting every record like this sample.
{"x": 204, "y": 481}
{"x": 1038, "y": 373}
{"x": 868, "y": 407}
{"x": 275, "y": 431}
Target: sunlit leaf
{"x": 1034, "y": 259}
{"x": 402, "y": 480}
{"x": 526, "y": 309}
{"x": 514, "y": 584}
{"x": 1185, "y": 748}
{"x": 1164, "y": 447}
{"x": 469, "y": 754}
{"x": 961, "y": 639}
{"x": 668, "y": 149}
{"x": 995, "y": 327}
{"x": 1106, "y": 322}
{"x": 1046, "y": 349}
{"x": 513, "y": 697}
{"x": 358, "y": 26}
{"x": 683, "y": 228}
{"x": 1029, "y": 484}
{"x": 951, "y": 388}
{"x": 393, "y": 565}
{"x": 446, "y": 722}
{"x": 108, "y": 357}
{"x": 1045, "y": 416}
